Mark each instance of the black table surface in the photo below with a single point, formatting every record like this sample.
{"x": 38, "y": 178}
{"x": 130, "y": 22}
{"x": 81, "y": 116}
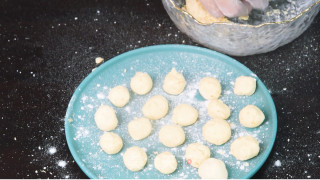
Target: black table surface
{"x": 48, "y": 47}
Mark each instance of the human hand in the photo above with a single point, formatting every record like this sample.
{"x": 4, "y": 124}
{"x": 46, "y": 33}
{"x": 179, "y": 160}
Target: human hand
{"x": 233, "y": 8}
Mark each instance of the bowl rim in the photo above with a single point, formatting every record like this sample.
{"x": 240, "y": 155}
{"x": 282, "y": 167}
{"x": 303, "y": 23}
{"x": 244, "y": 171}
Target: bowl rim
{"x": 244, "y": 25}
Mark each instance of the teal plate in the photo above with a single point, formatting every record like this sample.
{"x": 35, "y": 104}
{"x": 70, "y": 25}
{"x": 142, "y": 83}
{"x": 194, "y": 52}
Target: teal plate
{"x": 195, "y": 63}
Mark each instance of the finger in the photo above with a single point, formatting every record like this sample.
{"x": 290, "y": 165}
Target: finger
{"x": 233, "y": 8}
{"x": 212, "y": 8}
{"x": 258, "y": 4}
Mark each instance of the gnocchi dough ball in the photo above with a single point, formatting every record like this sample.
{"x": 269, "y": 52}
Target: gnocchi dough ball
{"x": 105, "y": 118}
{"x": 139, "y": 128}
{"x": 141, "y": 83}
{"x": 195, "y": 8}
{"x": 251, "y": 116}
{"x": 213, "y": 169}
{"x": 165, "y": 162}
{"x": 119, "y": 96}
{"x": 174, "y": 82}
{"x": 156, "y": 107}
{"x": 245, "y": 85}
{"x": 210, "y": 88}
{"x": 185, "y": 115}
{"x": 244, "y": 148}
{"x": 217, "y": 109}
{"x": 196, "y": 153}
{"x": 135, "y": 158}
{"x": 171, "y": 135}
{"x": 216, "y": 131}
{"x": 111, "y": 143}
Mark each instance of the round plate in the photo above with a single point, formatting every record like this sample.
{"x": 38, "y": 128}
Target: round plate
{"x": 195, "y": 63}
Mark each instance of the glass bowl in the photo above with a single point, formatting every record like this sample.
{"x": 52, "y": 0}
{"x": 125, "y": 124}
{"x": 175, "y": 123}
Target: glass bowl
{"x": 283, "y": 21}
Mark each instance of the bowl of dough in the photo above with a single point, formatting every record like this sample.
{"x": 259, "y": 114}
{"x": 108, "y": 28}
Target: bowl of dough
{"x": 260, "y": 32}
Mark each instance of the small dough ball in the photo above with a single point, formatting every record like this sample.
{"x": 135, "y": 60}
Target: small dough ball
{"x": 213, "y": 169}
{"x": 216, "y": 131}
{"x": 245, "y": 85}
{"x": 135, "y": 158}
{"x": 171, "y": 135}
{"x": 111, "y": 143}
{"x": 217, "y": 109}
{"x": 251, "y": 116}
{"x": 165, "y": 162}
{"x": 106, "y": 118}
{"x": 119, "y": 96}
{"x": 141, "y": 83}
{"x": 156, "y": 107}
{"x": 244, "y": 148}
{"x": 195, "y": 8}
{"x": 185, "y": 115}
{"x": 196, "y": 153}
{"x": 174, "y": 82}
{"x": 139, "y": 128}
{"x": 210, "y": 88}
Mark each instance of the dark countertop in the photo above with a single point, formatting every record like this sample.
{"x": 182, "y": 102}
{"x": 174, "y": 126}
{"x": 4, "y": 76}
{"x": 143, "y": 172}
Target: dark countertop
{"x": 48, "y": 47}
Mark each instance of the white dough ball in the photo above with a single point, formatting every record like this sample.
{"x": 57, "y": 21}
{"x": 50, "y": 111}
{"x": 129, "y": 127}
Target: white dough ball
{"x": 135, "y": 158}
{"x": 139, "y": 128}
{"x": 244, "y": 148}
{"x": 111, "y": 143}
{"x": 119, "y": 96}
{"x": 213, "y": 169}
{"x": 251, "y": 116}
{"x": 217, "y": 109}
{"x": 156, "y": 107}
{"x": 105, "y": 118}
{"x": 245, "y": 85}
{"x": 185, "y": 115}
{"x": 174, "y": 82}
{"x": 196, "y": 153}
{"x": 210, "y": 88}
{"x": 216, "y": 131}
{"x": 171, "y": 135}
{"x": 165, "y": 162}
{"x": 141, "y": 83}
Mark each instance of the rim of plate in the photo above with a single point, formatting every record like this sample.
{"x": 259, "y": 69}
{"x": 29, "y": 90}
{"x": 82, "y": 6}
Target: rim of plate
{"x": 230, "y": 61}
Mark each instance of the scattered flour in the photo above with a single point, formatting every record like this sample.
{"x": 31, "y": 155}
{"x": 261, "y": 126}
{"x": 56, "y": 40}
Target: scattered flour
{"x": 101, "y": 95}
{"x": 84, "y": 99}
{"x": 82, "y": 132}
{"x": 128, "y": 109}
{"x": 62, "y": 163}
{"x": 52, "y": 150}
{"x": 277, "y": 163}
